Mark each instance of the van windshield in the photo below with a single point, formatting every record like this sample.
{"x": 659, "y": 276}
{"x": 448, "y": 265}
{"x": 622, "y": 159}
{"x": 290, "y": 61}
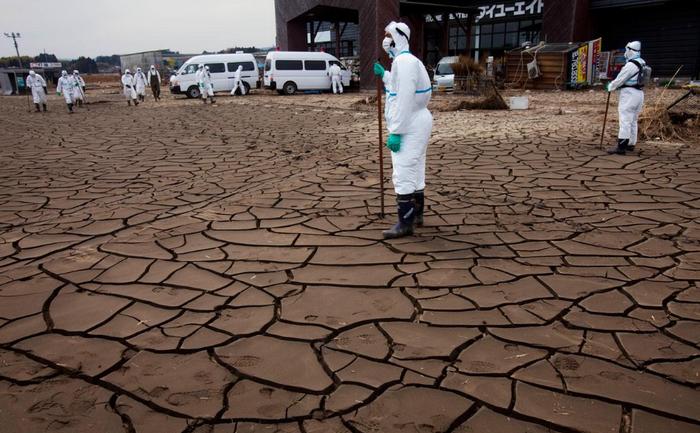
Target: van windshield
{"x": 444, "y": 69}
{"x": 268, "y": 64}
{"x": 188, "y": 68}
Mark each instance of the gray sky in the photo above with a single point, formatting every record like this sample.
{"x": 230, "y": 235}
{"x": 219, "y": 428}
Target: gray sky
{"x": 72, "y": 28}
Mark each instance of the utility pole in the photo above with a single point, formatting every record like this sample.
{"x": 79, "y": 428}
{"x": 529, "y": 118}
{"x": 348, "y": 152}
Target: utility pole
{"x": 14, "y": 37}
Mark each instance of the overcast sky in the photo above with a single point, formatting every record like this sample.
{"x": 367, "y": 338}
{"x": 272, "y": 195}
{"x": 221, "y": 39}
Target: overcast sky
{"x": 72, "y": 28}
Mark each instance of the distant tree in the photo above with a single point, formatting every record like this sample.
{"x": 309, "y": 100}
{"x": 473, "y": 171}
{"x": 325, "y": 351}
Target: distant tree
{"x": 112, "y": 60}
{"x": 45, "y": 58}
{"x": 85, "y": 65}
{"x": 235, "y": 49}
{"x": 11, "y": 62}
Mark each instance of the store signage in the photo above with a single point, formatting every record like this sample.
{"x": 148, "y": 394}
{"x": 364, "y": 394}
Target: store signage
{"x": 521, "y": 8}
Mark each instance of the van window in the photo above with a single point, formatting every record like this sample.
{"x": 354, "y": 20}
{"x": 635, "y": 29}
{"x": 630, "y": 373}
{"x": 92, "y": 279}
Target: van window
{"x": 315, "y": 65}
{"x": 288, "y": 65}
{"x": 268, "y": 64}
{"x": 444, "y": 69}
{"x": 335, "y": 62}
{"x": 216, "y": 68}
{"x": 247, "y": 66}
{"x": 189, "y": 69}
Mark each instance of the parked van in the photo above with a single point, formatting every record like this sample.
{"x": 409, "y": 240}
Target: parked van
{"x": 289, "y": 71}
{"x": 222, "y": 67}
{"x": 444, "y": 79}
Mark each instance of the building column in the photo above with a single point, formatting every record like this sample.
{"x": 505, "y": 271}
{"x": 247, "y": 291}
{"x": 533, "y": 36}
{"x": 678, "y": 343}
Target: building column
{"x": 374, "y": 16}
{"x": 566, "y": 21}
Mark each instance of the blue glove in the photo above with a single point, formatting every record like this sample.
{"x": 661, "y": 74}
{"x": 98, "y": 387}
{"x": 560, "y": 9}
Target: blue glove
{"x": 394, "y": 142}
{"x": 379, "y": 70}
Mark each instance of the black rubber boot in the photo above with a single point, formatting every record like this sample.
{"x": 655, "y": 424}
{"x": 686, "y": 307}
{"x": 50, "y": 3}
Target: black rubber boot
{"x": 204, "y": 100}
{"x": 630, "y": 147}
{"x": 419, "y": 199}
{"x": 136, "y": 102}
{"x": 44, "y": 108}
{"x": 70, "y": 108}
{"x": 37, "y": 108}
{"x": 212, "y": 100}
{"x": 129, "y": 102}
{"x": 407, "y": 213}
{"x": 621, "y": 147}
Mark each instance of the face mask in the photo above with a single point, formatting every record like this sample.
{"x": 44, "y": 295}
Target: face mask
{"x": 387, "y": 45}
{"x": 630, "y": 54}
{"x": 32, "y": 73}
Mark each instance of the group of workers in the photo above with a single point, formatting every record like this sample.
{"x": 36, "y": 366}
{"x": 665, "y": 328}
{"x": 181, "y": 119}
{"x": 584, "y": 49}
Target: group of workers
{"x": 70, "y": 86}
{"x": 134, "y": 85}
{"x": 409, "y": 122}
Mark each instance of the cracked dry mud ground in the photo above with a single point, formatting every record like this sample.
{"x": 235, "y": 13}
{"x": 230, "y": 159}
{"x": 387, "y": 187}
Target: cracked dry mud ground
{"x": 179, "y": 268}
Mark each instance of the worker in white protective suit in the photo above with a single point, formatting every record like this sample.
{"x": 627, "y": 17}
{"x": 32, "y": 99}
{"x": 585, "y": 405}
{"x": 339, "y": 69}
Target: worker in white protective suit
{"x": 206, "y": 86}
{"x": 631, "y": 101}
{"x": 129, "y": 87}
{"x": 408, "y": 91}
{"x": 336, "y": 78}
{"x": 140, "y": 81}
{"x": 154, "y": 81}
{"x": 65, "y": 88}
{"x": 38, "y": 85}
{"x": 238, "y": 81}
{"x": 79, "y": 88}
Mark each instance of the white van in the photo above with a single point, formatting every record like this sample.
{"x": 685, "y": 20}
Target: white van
{"x": 222, "y": 67}
{"x": 289, "y": 71}
{"x": 444, "y": 79}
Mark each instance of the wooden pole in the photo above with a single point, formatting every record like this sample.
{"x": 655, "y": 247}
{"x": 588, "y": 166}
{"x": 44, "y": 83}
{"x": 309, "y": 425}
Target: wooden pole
{"x": 605, "y": 120}
{"x": 380, "y": 88}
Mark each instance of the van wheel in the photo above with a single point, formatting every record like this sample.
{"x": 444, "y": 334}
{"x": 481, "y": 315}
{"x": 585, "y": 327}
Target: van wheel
{"x": 194, "y": 92}
{"x": 247, "y": 88}
{"x": 289, "y": 88}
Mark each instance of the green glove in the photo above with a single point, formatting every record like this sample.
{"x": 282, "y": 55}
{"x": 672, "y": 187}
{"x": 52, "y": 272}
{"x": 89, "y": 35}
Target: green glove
{"x": 607, "y": 87}
{"x": 379, "y": 70}
{"x": 394, "y": 142}
{"x": 58, "y": 93}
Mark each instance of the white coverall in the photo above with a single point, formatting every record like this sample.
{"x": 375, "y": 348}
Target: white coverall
{"x": 205, "y": 83}
{"x": 336, "y": 78}
{"x": 65, "y": 86}
{"x": 408, "y": 90}
{"x": 140, "y": 82}
{"x": 631, "y": 100}
{"x": 37, "y": 83}
{"x": 128, "y": 83}
{"x": 237, "y": 81}
{"x": 78, "y": 92}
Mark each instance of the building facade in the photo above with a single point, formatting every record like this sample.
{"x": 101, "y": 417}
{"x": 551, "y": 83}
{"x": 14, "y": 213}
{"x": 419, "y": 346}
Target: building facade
{"x": 668, "y": 29}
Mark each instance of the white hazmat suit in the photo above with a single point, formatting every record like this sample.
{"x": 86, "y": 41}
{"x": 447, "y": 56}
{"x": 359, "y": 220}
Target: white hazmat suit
{"x": 408, "y": 91}
{"x": 336, "y": 78}
{"x": 631, "y": 99}
{"x": 79, "y": 89}
{"x": 140, "y": 84}
{"x": 37, "y": 83}
{"x": 129, "y": 91}
{"x": 237, "y": 81}
{"x": 206, "y": 86}
{"x": 65, "y": 86}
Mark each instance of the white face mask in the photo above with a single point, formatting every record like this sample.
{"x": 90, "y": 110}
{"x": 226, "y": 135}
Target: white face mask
{"x": 630, "y": 54}
{"x": 386, "y": 45}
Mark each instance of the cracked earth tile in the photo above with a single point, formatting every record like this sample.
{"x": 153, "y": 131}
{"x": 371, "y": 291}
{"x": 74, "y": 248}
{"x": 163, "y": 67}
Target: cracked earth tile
{"x": 642, "y": 348}
{"x": 77, "y": 311}
{"x": 410, "y": 408}
{"x": 574, "y": 287}
{"x": 518, "y": 291}
{"x": 554, "y": 336}
{"x": 147, "y": 250}
{"x": 487, "y": 421}
{"x": 18, "y": 367}
{"x": 364, "y": 340}
{"x": 268, "y": 254}
{"x": 329, "y": 425}
{"x": 589, "y": 376}
{"x": 369, "y": 373}
{"x": 59, "y": 404}
{"x": 318, "y": 305}
{"x": 686, "y": 330}
{"x": 609, "y": 302}
{"x": 243, "y": 321}
{"x": 250, "y": 400}
{"x": 581, "y": 414}
{"x": 682, "y": 371}
{"x": 25, "y": 297}
{"x": 416, "y": 340}
{"x": 126, "y": 271}
{"x": 645, "y": 422}
{"x": 347, "y": 397}
{"x": 193, "y": 277}
{"x": 253, "y": 237}
{"x": 287, "y": 363}
{"x": 489, "y": 355}
{"x": 190, "y": 384}
{"x": 653, "y": 293}
{"x": 377, "y": 275}
{"x": 368, "y": 255}
{"x": 599, "y": 322}
{"x": 495, "y": 391}
{"x": 146, "y": 420}
{"x": 163, "y": 296}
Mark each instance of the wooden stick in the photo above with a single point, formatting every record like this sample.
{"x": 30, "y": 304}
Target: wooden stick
{"x": 605, "y": 120}
{"x": 380, "y": 88}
